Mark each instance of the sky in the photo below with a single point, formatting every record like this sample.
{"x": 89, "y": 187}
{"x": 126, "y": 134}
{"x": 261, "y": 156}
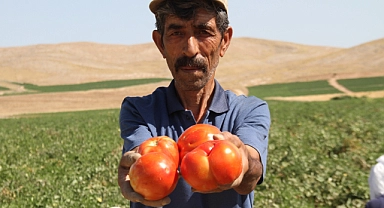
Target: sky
{"x": 335, "y": 23}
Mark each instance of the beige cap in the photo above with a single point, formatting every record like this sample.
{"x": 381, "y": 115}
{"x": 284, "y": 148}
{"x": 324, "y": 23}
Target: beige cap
{"x": 155, "y": 4}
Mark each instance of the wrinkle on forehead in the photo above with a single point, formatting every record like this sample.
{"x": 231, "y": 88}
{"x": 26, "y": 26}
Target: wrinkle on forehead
{"x": 202, "y": 20}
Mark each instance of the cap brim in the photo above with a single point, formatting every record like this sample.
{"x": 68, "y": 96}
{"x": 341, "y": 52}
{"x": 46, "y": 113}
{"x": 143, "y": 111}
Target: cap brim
{"x": 154, "y": 5}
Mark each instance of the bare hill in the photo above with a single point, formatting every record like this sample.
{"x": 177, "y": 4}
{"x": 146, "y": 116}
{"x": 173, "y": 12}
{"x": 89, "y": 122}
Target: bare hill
{"x": 360, "y": 61}
{"x": 71, "y": 63}
{"x": 254, "y": 62}
{"x": 249, "y": 61}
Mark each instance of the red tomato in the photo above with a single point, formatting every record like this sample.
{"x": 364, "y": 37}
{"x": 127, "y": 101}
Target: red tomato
{"x": 211, "y": 164}
{"x": 162, "y": 144}
{"x": 194, "y": 136}
{"x": 154, "y": 175}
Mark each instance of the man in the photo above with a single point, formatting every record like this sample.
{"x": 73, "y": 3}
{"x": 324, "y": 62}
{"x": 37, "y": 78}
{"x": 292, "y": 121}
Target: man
{"x": 376, "y": 185}
{"x": 192, "y": 35}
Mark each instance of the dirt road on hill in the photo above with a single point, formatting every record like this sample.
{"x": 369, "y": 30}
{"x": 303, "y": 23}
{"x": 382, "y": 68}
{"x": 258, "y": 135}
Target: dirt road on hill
{"x": 327, "y": 97}
{"x": 333, "y": 82}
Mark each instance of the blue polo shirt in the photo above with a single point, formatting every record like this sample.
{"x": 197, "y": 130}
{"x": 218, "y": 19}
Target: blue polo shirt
{"x": 161, "y": 113}
{"x": 375, "y": 203}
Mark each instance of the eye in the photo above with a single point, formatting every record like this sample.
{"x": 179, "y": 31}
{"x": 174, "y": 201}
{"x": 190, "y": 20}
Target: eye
{"x": 176, "y": 33}
{"x": 205, "y": 33}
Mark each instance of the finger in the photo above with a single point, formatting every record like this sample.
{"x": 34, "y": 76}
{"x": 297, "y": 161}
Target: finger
{"x": 158, "y": 203}
{"x": 229, "y": 137}
{"x": 129, "y": 158}
{"x": 129, "y": 193}
{"x": 218, "y": 136}
{"x": 126, "y": 162}
{"x": 122, "y": 175}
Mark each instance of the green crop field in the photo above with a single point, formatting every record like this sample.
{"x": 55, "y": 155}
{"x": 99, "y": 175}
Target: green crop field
{"x": 89, "y": 86}
{"x": 60, "y": 160}
{"x": 293, "y": 89}
{"x": 262, "y": 91}
{"x": 3, "y": 88}
{"x": 363, "y": 84}
{"x": 320, "y": 155}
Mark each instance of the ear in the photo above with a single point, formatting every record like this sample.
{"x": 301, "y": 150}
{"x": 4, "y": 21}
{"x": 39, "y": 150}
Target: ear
{"x": 227, "y": 37}
{"x": 156, "y": 36}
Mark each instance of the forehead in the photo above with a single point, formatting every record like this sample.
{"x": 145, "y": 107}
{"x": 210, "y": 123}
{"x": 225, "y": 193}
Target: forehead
{"x": 201, "y": 17}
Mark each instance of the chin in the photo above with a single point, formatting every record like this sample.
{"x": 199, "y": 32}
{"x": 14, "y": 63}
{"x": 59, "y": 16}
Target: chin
{"x": 190, "y": 85}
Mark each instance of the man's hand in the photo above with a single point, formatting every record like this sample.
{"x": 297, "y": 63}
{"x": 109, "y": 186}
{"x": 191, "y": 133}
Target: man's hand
{"x": 126, "y": 162}
{"x": 252, "y": 168}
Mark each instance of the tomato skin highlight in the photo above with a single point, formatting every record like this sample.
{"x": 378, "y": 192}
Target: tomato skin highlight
{"x": 162, "y": 144}
{"x": 211, "y": 164}
{"x": 226, "y": 162}
{"x": 194, "y": 136}
{"x": 154, "y": 176}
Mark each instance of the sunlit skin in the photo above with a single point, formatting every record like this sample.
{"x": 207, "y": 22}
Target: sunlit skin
{"x": 198, "y": 38}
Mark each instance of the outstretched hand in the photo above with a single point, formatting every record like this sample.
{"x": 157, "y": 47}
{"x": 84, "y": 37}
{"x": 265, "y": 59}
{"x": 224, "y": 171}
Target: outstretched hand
{"x": 127, "y": 191}
{"x": 244, "y": 155}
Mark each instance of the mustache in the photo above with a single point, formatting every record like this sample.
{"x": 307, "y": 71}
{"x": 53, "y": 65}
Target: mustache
{"x": 190, "y": 62}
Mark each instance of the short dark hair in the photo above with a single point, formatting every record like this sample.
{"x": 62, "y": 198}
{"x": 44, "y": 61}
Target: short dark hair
{"x": 186, "y": 10}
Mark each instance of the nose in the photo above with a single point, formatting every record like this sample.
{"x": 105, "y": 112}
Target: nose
{"x": 191, "y": 47}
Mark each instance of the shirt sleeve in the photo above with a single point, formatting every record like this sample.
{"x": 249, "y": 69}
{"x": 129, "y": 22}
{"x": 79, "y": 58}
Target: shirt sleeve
{"x": 253, "y": 124}
{"x": 133, "y": 128}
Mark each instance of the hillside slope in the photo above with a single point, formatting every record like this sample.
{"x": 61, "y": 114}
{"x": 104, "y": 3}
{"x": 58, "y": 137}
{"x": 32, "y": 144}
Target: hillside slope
{"x": 248, "y": 62}
{"x": 251, "y": 61}
{"x": 359, "y": 61}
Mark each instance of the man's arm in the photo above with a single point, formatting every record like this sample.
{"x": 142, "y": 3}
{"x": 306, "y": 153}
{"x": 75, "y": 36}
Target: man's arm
{"x": 253, "y": 173}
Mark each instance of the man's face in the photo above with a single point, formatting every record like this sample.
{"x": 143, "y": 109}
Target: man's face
{"x": 192, "y": 49}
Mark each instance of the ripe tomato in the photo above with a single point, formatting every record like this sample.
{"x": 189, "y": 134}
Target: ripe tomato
{"x": 154, "y": 175}
{"x": 194, "y": 136}
{"x": 162, "y": 144}
{"x": 211, "y": 164}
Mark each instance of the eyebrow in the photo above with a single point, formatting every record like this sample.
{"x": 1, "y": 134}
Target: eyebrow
{"x": 174, "y": 27}
{"x": 202, "y": 26}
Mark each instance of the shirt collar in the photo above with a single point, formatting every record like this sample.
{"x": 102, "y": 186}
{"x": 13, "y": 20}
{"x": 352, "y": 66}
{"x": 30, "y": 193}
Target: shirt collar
{"x": 219, "y": 102}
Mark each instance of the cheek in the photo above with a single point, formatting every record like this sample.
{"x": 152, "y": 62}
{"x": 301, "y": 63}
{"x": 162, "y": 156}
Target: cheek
{"x": 170, "y": 63}
{"x": 214, "y": 57}
{"x": 212, "y": 48}
{"x": 170, "y": 57}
